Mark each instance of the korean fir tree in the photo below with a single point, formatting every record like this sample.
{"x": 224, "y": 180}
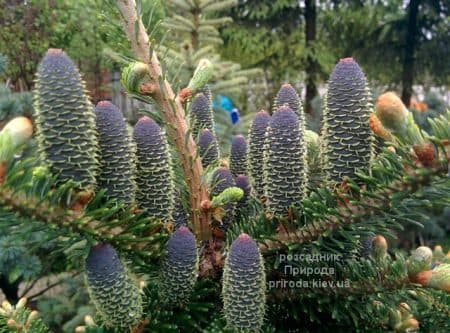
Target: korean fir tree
{"x": 312, "y": 260}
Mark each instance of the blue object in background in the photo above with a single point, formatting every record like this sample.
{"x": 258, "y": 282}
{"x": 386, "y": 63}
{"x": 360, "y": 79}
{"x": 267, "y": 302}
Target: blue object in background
{"x": 234, "y": 116}
{"x": 225, "y": 103}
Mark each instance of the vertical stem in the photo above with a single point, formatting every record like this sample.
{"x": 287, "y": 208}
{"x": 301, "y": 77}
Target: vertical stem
{"x": 410, "y": 48}
{"x": 173, "y": 114}
{"x": 194, "y": 33}
{"x": 311, "y": 66}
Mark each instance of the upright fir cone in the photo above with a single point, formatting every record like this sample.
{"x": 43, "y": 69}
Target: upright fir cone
{"x": 179, "y": 214}
{"x": 208, "y": 148}
{"x": 154, "y": 172}
{"x": 243, "y": 183}
{"x": 348, "y": 140}
{"x": 114, "y": 294}
{"x": 117, "y": 154}
{"x": 238, "y": 156}
{"x": 244, "y": 286}
{"x": 65, "y": 121}
{"x": 221, "y": 180}
{"x": 180, "y": 268}
{"x": 256, "y": 140}
{"x": 206, "y": 90}
{"x": 201, "y": 115}
{"x": 288, "y": 95}
{"x": 285, "y": 165}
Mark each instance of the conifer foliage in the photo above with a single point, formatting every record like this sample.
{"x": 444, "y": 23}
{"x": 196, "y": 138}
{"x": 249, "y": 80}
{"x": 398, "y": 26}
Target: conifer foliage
{"x": 210, "y": 255}
{"x": 195, "y": 26}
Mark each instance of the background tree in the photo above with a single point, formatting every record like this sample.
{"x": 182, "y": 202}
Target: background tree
{"x": 193, "y": 34}
{"x": 408, "y": 36}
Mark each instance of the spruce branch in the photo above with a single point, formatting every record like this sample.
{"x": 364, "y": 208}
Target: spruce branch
{"x": 173, "y": 114}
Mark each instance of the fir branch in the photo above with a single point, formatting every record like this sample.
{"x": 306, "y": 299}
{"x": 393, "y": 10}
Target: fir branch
{"x": 173, "y": 114}
{"x": 358, "y": 209}
{"x": 34, "y": 197}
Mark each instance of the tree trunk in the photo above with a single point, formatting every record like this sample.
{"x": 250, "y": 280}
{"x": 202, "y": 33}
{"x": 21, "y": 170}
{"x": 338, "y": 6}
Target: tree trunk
{"x": 410, "y": 48}
{"x": 311, "y": 63}
{"x": 11, "y": 290}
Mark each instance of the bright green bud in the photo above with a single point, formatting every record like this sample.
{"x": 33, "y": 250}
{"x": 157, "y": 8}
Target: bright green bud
{"x": 134, "y": 75}
{"x": 229, "y": 195}
{"x": 203, "y": 73}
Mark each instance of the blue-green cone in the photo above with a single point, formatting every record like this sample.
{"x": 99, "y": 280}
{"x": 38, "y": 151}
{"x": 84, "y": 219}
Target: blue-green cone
{"x": 207, "y": 92}
{"x": 180, "y": 269}
{"x": 288, "y": 95}
{"x": 201, "y": 115}
{"x": 154, "y": 172}
{"x": 238, "y": 156}
{"x": 208, "y": 148}
{"x": 348, "y": 140}
{"x": 65, "y": 121}
{"x": 243, "y": 183}
{"x": 114, "y": 294}
{"x": 366, "y": 246}
{"x": 222, "y": 179}
{"x": 285, "y": 163}
{"x": 117, "y": 154}
{"x": 244, "y": 286}
{"x": 256, "y": 142}
{"x": 179, "y": 214}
